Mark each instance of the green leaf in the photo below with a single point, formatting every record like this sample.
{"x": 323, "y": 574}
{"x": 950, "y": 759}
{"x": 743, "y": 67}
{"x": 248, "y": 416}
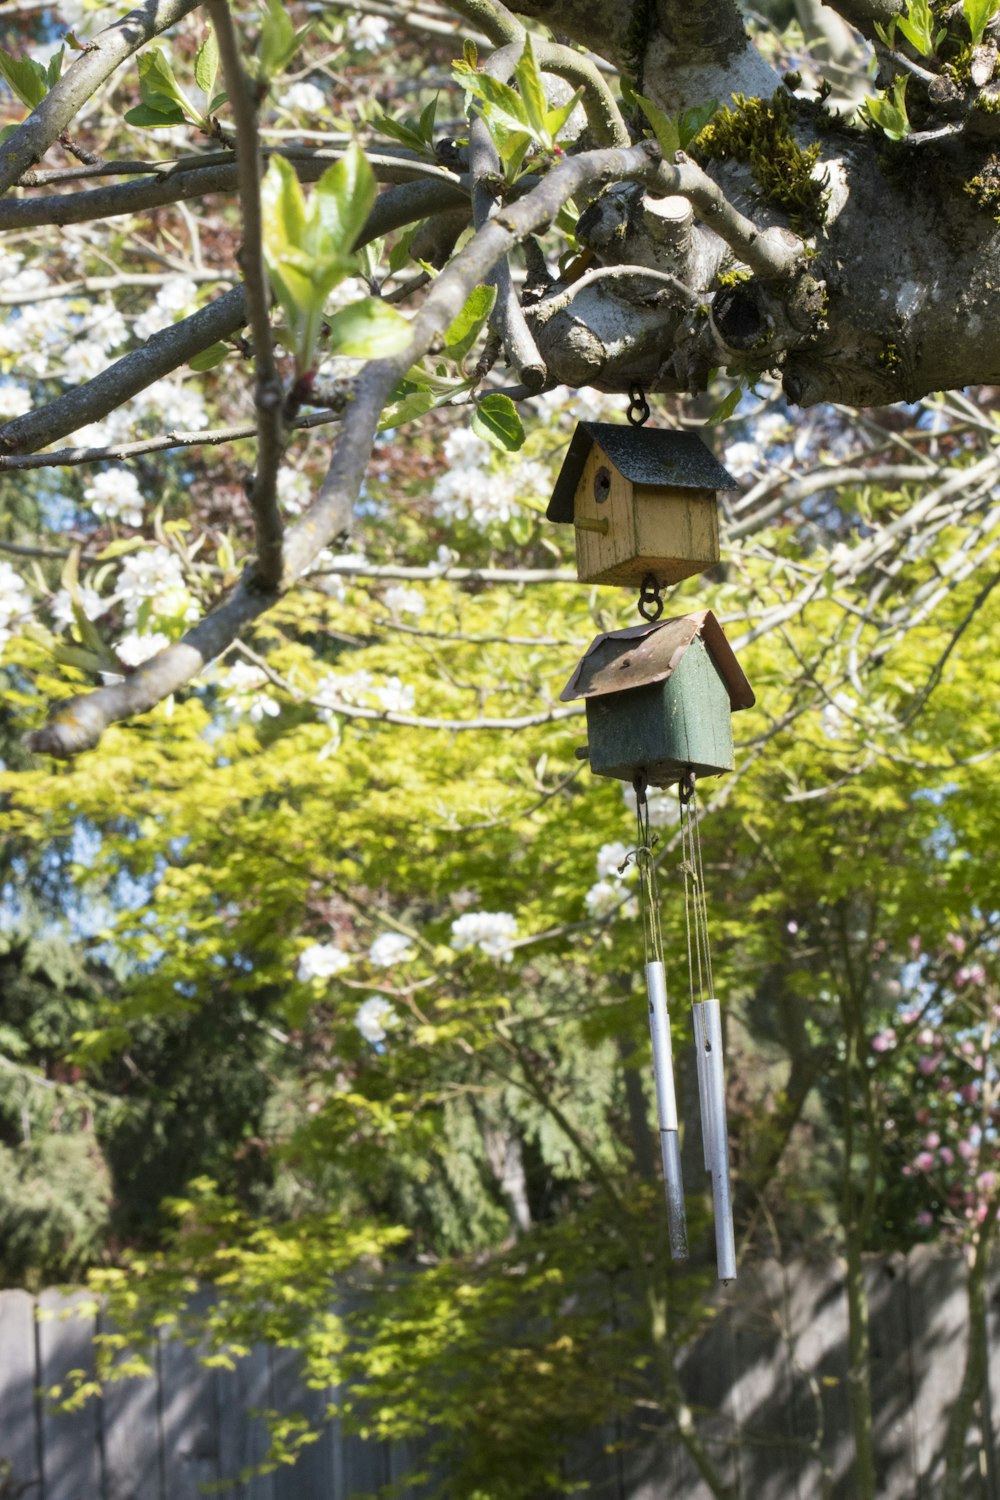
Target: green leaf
{"x": 496, "y": 420}
{"x": 400, "y": 252}
{"x": 284, "y": 208}
{"x": 890, "y": 114}
{"x": 918, "y": 26}
{"x": 146, "y": 115}
{"x": 54, "y": 71}
{"x": 24, "y": 77}
{"x": 206, "y": 63}
{"x": 500, "y": 102}
{"x": 157, "y": 82}
{"x": 556, "y": 118}
{"x": 279, "y": 41}
{"x": 416, "y": 404}
{"x": 726, "y": 406}
{"x": 693, "y": 121}
{"x": 344, "y": 196}
{"x": 427, "y": 117}
{"x": 467, "y": 326}
{"x": 667, "y": 134}
{"x": 401, "y": 131}
{"x": 470, "y": 54}
{"x": 529, "y": 81}
{"x": 208, "y": 358}
{"x": 977, "y": 14}
{"x": 369, "y": 329}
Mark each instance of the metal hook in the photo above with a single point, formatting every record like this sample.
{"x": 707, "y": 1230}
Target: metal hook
{"x": 650, "y": 604}
{"x": 685, "y": 787}
{"x": 638, "y": 406}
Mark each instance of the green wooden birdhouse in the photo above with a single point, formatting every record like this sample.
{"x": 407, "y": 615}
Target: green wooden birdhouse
{"x": 660, "y": 699}
{"x": 643, "y": 501}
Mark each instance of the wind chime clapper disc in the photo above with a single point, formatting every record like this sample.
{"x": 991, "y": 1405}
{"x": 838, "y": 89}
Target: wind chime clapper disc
{"x": 715, "y": 1134}
{"x": 660, "y": 699}
{"x": 642, "y": 500}
{"x": 666, "y": 1108}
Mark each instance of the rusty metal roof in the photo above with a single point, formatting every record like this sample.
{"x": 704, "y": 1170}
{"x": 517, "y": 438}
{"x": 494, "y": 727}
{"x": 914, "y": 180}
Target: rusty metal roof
{"x": 645, "y": 455}
{"x": 643, "y": 654}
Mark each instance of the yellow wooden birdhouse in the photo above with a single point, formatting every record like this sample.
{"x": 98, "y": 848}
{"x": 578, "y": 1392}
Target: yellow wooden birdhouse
{"x": 642, "y": 500}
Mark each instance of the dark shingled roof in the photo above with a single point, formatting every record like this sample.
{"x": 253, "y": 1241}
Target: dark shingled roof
{"x": 645, "y": 455}
{"x": 643, "y": 654}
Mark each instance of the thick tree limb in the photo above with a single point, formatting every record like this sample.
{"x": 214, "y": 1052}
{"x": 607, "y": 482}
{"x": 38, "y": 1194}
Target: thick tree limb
{"x": 268, "y": 394}
{"x": 182, "y": 183}
{"x": 81, "y": 80}
{"x": 78, "y": 725}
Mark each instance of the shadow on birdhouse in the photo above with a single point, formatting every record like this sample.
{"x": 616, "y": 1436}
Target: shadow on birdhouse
{"x": 660, "y": 698}
{"x": 642, "y": 500}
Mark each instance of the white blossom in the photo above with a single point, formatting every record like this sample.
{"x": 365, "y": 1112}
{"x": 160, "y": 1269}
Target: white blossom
{"x": 306, "y": 97}
{"x": 115, "y": 494}
{"x": 322, "y": 961}
{"x": 180, "y": 406}
{"x": 15, "y": 400}
{"x": 373, "y": 1016}
{"x": 294, "y": 490}
{"x": 367, "y": 33}
{"x": 175, "y": 296}
{"x": 661, "y": 802}
{"x": 742, "y": 458}
{"x": 610, "y": 858}
{"x": 403, "y": 601}
{"x": 835, "y": 713}
{"x": 82, "y": 360}
{"x": 88, "y": 599}
{"x": 133, "y": 650}
{"x": 605, "y": 898}
{"x": 395, "y": 696}
{"x": 15, "y": 602}
{"x": 492, "y": 932}
{"x": 390, "y": 948}
{"x": 242, "y": 682}
{"x": 332, "y": 689}
{"x": 154, "y": 575}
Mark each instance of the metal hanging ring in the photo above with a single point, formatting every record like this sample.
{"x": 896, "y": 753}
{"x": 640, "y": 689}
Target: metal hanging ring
{"x": 638, "y": 406}
{"x": 650, "y": 600}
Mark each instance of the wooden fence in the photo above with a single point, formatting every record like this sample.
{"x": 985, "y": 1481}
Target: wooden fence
{"x": 767, "y": 1385}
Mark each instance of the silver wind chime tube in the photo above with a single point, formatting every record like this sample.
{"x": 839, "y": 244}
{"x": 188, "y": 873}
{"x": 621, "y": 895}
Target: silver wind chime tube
{"x": 715, "y": 1138}
{"x": 666, "y": 1108}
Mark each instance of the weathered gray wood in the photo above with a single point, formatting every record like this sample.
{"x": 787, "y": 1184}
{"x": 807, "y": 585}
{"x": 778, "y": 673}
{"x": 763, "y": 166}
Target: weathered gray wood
{"x": 312, "y": 1476}
{"x": 938, "y": 1309}
{"x": 770, "y": 1457}
{"x": 71, "y": 1452}
{"x": 891, "y": 1363}
{"x": 133, "y": 1441}
{"x": 20, "y": 1438}
{"x": 991, "y": 1392}
{"x": 189, "y": 1416}
{"x": 243, "y": 1437}
{"x": 816, "y": 1315}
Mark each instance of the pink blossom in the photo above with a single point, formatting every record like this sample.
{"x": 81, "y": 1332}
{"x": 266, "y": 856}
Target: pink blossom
{"x": 932, "y": 1140}
{"x": 947, "y": 1156}
{"x": 914, "y": 944}
{"x": 986, "y": 1182}
{"x": 923, "y": 1116}
{"x": 967, "y": 1048}
{"x": 970, "y": 1092}
{"x": 925, "y": 1036}
{"x": 924, "y": 1161}
{"x": 966, "y": 1150}
{"x": 793, "y": 928}
{"x": 956, "y": 943}
{"x": 981, "y": 1213}
{"x": 884, "y": 1040}
{"x": 925, "y": 1219}
{"x": 929, "y": 1064}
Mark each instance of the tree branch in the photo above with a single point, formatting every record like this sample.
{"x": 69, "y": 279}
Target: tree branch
{"x": 62, "y": 103}
{"x": 268, "y": 395}
{"x": 79, "y": 724}
{"x": 181, "y": 183}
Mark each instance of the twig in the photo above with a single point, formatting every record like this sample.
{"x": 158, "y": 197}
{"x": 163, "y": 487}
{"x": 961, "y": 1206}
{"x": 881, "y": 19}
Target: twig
{"x": 549, "y": 306}
{"x": 109, "y": 49}
{"x": 61, "y": 458}
{"x": 268, "y": 395}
